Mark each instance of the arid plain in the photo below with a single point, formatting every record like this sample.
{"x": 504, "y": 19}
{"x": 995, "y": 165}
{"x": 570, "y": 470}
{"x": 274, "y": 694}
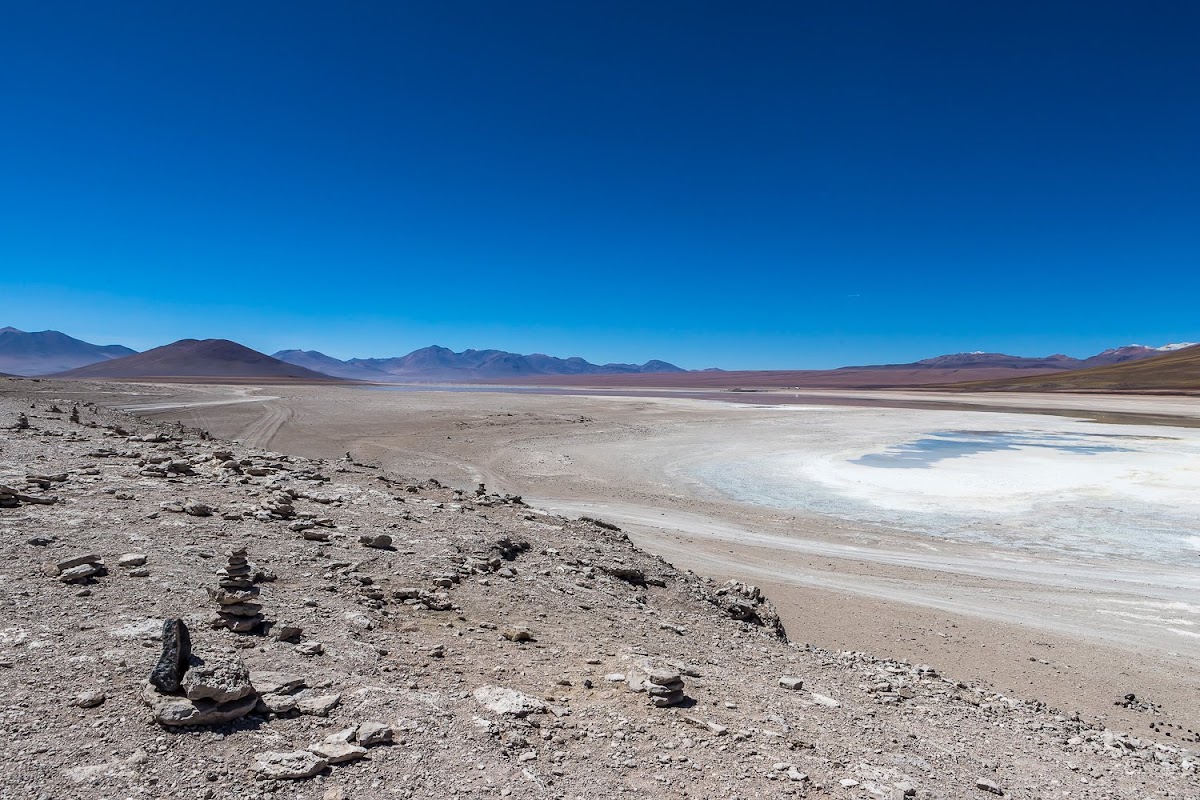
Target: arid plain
{"x": 1046, "y": 553}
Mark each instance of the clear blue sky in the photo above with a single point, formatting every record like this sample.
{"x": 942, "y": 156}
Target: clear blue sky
{"x": 755, "y": 185}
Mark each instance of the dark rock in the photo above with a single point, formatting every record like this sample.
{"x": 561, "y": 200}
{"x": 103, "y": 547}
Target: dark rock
{"x": 167, "y": 675}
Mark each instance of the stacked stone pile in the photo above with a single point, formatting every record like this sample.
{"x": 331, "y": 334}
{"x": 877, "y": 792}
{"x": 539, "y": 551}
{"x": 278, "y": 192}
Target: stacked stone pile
{"x": 236, "y": 595}
{"x": 76, "y": 569}
{"x": 665, "y": 687}
{"x": 183, "y": 690}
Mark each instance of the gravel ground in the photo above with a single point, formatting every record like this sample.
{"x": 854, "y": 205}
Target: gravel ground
{"x": 508, "y": 652}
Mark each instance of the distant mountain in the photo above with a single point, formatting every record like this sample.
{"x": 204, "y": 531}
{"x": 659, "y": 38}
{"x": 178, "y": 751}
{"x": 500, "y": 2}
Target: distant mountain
{"x": 203, "y": 358}
{"x": 1132, "y": 352}
{"x": 1172, "y": 369}
{"x": 442, "y": 363}
{"x": 43, "y": 352}
{"x": 981, "y": 360}
{"x": 948, "y": 370}
{"x": 319, "y": 362}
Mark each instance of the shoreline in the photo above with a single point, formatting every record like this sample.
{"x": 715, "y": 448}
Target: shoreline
{"x": 848, "y": 598}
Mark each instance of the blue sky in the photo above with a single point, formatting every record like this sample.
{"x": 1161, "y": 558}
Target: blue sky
{"x": 743, "y": 185}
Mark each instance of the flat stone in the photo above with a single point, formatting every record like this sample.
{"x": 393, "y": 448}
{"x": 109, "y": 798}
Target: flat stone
{"x": 663, "y": 677}
{"x": 338, "y": 752}
{"x": 824, "y": 700}
{"x": 90, "y": 699}
{"x": 271, "y": 682}
{"x": 656, "y": 690}
{"x": 310, "y": 648}
{"x": 230, "y": 598}
{"x": 318, "y": 705}
{"x": 79, "y": 573}
{"x": 242, "y": 609}
{"x": 370, "y": 734}
{"x": 221, "y": 680}
{"x": 131, "y": 560}
{"x": 197, "y": 509}
{"x": 172, "y": 710}
{"x": 68, "y": 563}
{"x": 344, "y": 736}
{"x": 241, "y": 624}
{"x": 293, "y": 766}
{"x": 509, "y": 702}
{"x": 276, "y": 703}
{"x": 788, "y": 682}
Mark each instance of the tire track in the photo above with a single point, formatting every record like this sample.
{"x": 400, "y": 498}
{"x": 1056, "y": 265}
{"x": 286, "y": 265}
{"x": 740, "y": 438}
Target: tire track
{"x": 260, "y": 432}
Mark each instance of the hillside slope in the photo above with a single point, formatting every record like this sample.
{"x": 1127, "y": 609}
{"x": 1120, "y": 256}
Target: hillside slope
{"x": 198, "y": 358}
{"x": 1177, "y": 371}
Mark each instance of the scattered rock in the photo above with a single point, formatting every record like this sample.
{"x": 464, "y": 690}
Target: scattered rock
{"x": 518, "y": 634}
{"x": 370, "y": 734}
{"x": 292, "y": 766}
{"x": 988, "y": 785}
{"x": 379, "y": 541}
{"x": 338, "y": 752}
{"x": 317, "y": 705}
{"x": 310, "y": 648}
{"x": 508, "y": 702}
{"x": 90, "y": 699}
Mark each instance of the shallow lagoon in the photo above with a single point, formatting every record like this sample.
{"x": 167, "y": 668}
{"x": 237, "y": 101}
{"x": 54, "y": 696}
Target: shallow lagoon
{"x": 1060, "y": 486}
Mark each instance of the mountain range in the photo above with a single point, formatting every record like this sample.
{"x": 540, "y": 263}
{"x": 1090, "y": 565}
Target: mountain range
{"x": 441, "y": 363}
{"x": 52, "y": 352}
{"x": 43, "y": 352}
{"x": 1172, "y": 370}
{"x": 1057, "y": 362}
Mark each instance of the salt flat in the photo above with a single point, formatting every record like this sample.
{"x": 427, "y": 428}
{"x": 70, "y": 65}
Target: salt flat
{"x": 1040, "y": 552}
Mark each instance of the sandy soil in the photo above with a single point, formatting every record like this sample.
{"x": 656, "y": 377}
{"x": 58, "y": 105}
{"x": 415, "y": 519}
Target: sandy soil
{"x": 1022, "y": 621}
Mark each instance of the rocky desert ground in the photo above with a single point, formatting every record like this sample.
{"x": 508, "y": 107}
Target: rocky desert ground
{"x": 359, "y": 632}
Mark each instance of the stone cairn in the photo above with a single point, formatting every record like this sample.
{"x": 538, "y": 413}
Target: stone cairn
{"x": 237, "y": 595}
{"x": 665, "y": 687}
{"x": 183, "y": 690}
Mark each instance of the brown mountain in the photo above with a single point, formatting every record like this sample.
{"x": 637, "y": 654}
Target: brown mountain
{"x": 1174, "y": 371}
{"x": 199, "y": 358}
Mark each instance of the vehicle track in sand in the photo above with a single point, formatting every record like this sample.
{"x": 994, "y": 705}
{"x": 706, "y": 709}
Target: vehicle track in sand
{"x": 260, "y": 432}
